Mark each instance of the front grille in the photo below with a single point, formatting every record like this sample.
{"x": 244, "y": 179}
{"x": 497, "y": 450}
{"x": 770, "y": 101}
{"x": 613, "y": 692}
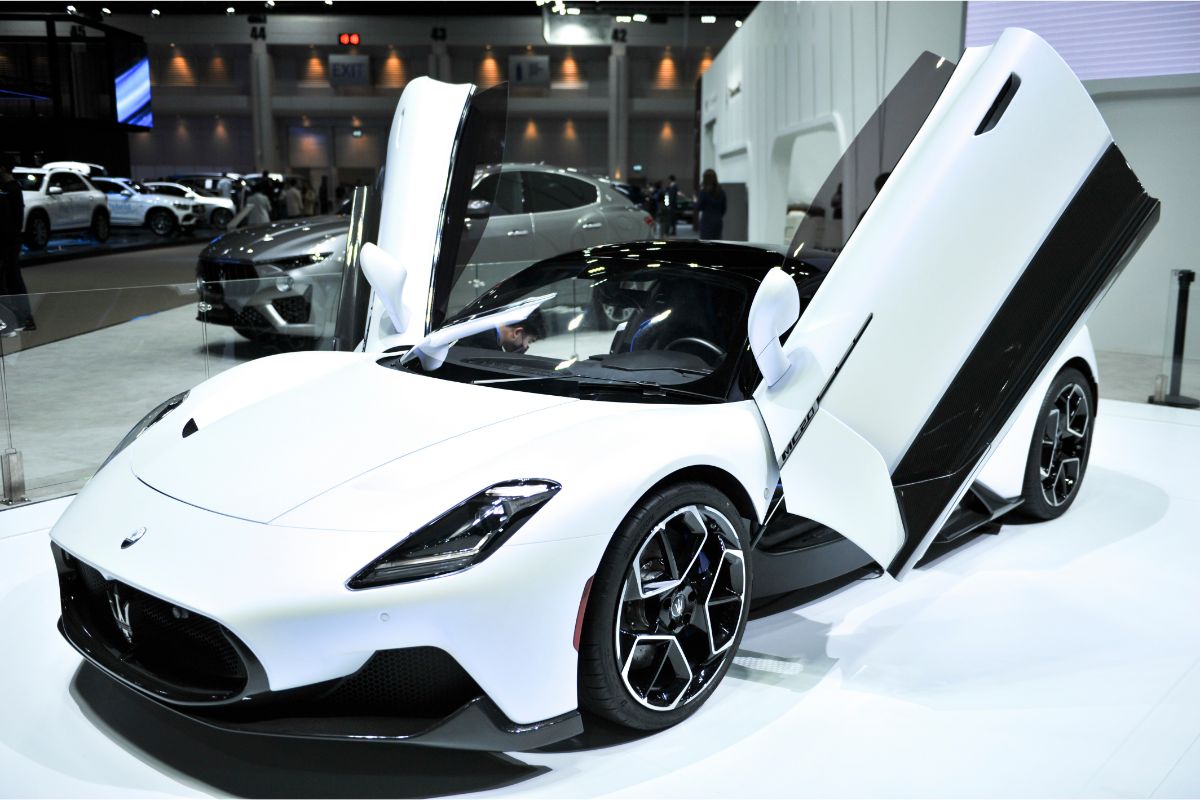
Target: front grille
{"x": 213, "y": 270}
{"x": 293, "y": 309}
{"x": 149, "y": 637}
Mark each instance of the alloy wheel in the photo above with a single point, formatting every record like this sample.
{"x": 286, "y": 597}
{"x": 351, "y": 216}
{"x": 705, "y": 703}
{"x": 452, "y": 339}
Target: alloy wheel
{"x": 1064, "y": 444}
{"x": 680, "y": 608}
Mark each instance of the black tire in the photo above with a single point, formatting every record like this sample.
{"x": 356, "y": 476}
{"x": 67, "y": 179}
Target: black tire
{"x": 161, "y": 222}
{"x": 37, "y": 231}
{"x": 220, "y": 218}
{"x": 1061, "y": 445}
{"x": 100, "y": 228}
{"x": 677, "y": 618}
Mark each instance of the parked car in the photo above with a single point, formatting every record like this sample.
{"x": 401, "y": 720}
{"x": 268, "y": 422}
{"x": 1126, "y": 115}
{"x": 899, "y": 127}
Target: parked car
{"x": 59, "y": 200}
{"x": 229, "y": 185}
{"x": 131, "y": 203}
{"x": 538, "y": 211}
{"x": 482, "y": 524}
{"x": 217, "y": 212}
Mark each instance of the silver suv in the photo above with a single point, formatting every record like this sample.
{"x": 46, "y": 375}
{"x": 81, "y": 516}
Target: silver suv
{"x": 280, "y": 282}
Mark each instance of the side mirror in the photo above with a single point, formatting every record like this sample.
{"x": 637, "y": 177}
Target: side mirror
{"x": 386, "y": 276}
{"x": 478, "y": 209}
{"x": 126, "y": 193}
{"x": 775, "y": 309}
{"x": 54, "y": 190}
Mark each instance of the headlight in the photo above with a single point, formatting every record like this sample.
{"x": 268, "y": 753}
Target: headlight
{"x": 154, "y": 416}
{"x": 301, "y": 261}
{"x": 460, "y": 538}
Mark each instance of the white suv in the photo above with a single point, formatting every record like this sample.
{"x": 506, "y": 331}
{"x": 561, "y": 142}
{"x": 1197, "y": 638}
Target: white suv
{"x": 131, "y": 203}
{"x": 59, "y": 200}
{"x": 217, "y": 210}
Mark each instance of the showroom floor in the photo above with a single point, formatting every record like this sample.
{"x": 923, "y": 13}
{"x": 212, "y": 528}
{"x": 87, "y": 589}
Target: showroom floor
{"x": 1060, "y": 659}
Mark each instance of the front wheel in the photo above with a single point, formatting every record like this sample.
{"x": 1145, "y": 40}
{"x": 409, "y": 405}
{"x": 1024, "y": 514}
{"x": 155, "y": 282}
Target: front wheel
{"x": 220, "y": 218}
{"x": 100, "y": 225}
{"x": 1062, "y": 442}
{"x": 667, "y": 608}
{"x": 37, "y": 232}
{"x": 161, "y": 222}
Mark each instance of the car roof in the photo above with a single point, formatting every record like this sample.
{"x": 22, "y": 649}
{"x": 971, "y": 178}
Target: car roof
{"x": 30, "y": 170}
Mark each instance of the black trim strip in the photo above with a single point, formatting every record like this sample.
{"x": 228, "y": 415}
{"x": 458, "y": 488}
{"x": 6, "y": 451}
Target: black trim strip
{"x": 1007, "y": 92}
{"x": 1098, "y": 233}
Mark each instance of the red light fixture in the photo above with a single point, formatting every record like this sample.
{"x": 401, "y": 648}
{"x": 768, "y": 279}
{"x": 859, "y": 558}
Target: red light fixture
{"x": 349, "y": 39}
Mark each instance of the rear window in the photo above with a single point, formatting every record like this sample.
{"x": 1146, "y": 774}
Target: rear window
{"x": 546, "y": 191}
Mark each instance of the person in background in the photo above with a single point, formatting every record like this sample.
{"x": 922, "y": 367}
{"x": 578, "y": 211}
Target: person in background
{"x": 514, "y": 338}
{"x": 323, "y": 195}
{"x": 310, "y": 200}
{"x": 293, "y": 201}
{"x": 710, "y": 205}
{"x": 12, "y": 221}
{"x": 256, "y": 211}
{"x": 670, "y": 206}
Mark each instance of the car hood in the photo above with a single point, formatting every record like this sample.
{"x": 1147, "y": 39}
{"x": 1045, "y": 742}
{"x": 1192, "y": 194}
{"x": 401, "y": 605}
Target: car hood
{"x": 275, "y": 433}
{"x": 278, "y": 240}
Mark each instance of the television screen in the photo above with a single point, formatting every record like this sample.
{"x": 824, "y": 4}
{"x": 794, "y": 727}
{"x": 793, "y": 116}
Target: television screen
{"x": 132, "y": 84}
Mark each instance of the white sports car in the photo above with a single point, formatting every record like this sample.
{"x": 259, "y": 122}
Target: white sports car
{"x": 570, "y": 495}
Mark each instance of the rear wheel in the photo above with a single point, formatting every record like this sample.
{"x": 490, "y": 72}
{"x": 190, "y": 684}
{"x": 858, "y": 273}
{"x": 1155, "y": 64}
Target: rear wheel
{"x": 37, "y": 231}
{"x": 161, "y": 222}
{"x": 1062, "y": 442}
{"x": 667, "y": 609}
{"x": 100, "y": 225}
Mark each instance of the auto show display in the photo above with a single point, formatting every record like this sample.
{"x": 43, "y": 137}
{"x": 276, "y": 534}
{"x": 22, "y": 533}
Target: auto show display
{"x": 131, "y": 203}
{"x": 569, "y": 495}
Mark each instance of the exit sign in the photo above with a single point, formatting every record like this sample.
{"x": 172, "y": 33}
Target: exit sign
{"x": 349, "y": 70}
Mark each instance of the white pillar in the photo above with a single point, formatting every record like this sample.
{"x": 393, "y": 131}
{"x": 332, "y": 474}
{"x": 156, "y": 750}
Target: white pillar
{"x": 618, "y": 112}
{"x": 266, "y": 149}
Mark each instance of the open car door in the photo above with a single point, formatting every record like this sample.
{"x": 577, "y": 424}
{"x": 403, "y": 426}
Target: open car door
{"x": 442, "y": 136}
{"x": 978, "y": 217}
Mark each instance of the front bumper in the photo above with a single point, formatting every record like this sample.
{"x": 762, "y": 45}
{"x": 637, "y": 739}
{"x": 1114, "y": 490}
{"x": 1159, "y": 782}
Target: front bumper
{"x": 197, "y": 668}
{"x": 265, "y": 299}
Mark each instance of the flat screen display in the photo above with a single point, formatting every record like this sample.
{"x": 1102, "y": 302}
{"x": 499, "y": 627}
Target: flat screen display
{"x": 132, "y": 84}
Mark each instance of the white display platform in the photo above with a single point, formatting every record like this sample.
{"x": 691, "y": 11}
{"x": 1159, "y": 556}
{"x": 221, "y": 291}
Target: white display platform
{"x": 1060, "y": 659}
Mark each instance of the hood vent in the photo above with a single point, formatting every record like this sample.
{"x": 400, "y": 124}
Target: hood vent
{"x": 190, "y": 428}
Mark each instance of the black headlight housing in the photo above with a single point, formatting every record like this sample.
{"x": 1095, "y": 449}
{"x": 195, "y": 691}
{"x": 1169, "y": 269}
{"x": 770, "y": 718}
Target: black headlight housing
{"x": 158, "y": 412}
{"x": 460, "y": 538}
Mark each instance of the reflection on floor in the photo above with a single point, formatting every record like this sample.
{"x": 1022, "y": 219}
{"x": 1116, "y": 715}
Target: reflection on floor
{"x": 1060, "y": 659}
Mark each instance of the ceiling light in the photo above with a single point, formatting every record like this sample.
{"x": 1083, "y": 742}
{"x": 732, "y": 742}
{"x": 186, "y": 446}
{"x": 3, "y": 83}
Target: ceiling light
{"x": 574, "y": 12}
{"x": 106, "y": 11}
{"x": 70, "y": 9}
{"x": 708, "y": 19}
{"x": 640, "y": 18}
{"x": 154, "y": 12}
{"x": 624, "y": 18}
{"x": 328, "y": 2}
{"x": 270, "y": 3}
{"x": 737, "y": 23}
{"x": 230, "y": 10}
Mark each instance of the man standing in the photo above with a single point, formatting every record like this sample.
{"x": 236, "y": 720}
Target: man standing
{"x": 671, "y": 204}
{"x": 293, "y": 201}
{"x": 12, "y": 219}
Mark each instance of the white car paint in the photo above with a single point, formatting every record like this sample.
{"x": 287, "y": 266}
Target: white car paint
{"x": 128, "y": 206}
{"x": 363, "y": 455}
{"x": 211, "y": 204}
{"x": 67, "y": 210}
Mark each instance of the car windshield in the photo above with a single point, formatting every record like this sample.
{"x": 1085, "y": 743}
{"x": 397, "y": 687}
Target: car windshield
{"x": 611, "y": 329}
{"x": 30, "y": 181}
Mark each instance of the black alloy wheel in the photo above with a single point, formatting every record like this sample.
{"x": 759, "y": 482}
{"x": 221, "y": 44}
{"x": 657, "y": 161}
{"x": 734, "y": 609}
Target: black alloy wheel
{"x": 37, "y": 231}
{"x": 161, "y": 222}
{"x": 1062, "y": 441}
{"x": 100, "y": 225}
{"x": 220, "y": 218}
{"x": 667, "y": 609}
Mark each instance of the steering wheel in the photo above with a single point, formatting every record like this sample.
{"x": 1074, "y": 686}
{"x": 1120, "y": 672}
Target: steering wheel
{"x": 704, "y": 344}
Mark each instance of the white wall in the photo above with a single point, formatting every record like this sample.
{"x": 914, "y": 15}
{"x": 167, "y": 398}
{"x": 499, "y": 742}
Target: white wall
{"x": 1156, "y": 123}
{"x": 803, "y": 77}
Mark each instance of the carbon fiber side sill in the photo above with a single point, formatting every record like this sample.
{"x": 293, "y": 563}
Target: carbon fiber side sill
{"x": 1102, "y": 227}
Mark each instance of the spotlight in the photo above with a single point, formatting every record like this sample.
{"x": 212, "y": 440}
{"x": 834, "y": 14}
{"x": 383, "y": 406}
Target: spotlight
{"x": 154, "y": 12}
{"x": 708, "y": 19}
{"x": 640, "y": 18}
{"x": 574, "y": 12}
{"x": 737, "y": 23}
{"x": 70, "y": 9}
{"x": 230, "y": 10}
{"x": 270, "y": 3}
{"x": 328, "y": 2}
{"x": 106, "y": 11}
{"x": 623, "y": 18}
{"x": 357, "y": 133}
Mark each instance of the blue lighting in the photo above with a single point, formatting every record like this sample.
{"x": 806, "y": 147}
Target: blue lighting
{"x": 133, "y": 95}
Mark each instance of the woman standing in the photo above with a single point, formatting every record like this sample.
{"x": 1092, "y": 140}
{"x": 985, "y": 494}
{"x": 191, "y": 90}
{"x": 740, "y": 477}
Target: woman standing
{"x": 710, "y": 205}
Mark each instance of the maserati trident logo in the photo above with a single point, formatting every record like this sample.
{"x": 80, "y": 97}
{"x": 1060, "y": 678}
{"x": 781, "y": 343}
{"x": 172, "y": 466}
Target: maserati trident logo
{"x": 120, "y": 612}
{"x": 132, "y": 538}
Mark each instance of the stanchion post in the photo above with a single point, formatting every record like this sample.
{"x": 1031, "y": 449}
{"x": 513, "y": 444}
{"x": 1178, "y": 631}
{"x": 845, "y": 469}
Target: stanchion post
{"x": 1175, "y": 396}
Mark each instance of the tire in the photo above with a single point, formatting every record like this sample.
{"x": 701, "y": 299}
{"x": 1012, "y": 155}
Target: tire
{"x": 220, "y": 218}
{"x": 161, "y": 222}
{"x": 37, "y": 231}
{"x": 649, "y": 661}
{"x": 1061, "y": 445}
{"x": 100, "y": 228}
